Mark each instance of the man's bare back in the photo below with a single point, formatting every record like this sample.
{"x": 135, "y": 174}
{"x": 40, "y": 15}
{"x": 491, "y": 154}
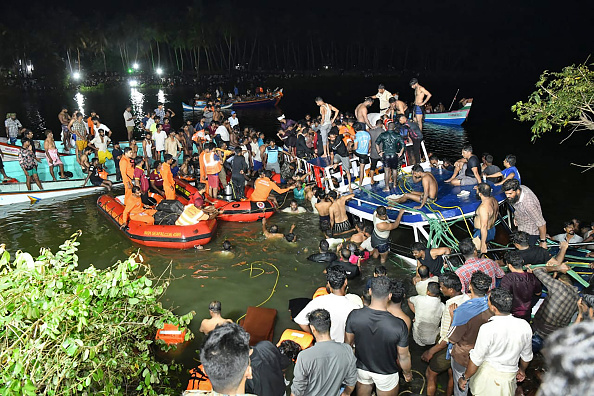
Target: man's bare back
{"x": 323, "y": 207}
{"x": 338, "y": 210}
{"x": 208, "y": 325}
{"x": 489, "y": 209}
{"x": 361, "y": 113}
{"x": 400, "y": 107}
{"x": 429, "y": 185}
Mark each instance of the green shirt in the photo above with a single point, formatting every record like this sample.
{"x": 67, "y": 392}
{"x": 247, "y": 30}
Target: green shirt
{"x": 391, "y": 142}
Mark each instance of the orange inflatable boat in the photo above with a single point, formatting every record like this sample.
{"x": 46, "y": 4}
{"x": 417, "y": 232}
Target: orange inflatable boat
{"x": 165, "y": 236}
{"x": 241, "y": 211}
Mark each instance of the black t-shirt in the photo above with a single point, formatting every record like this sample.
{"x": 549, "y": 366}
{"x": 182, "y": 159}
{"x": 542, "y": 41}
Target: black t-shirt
{"x": 94, "y": 172}
{"x": 378, "y": 334}
{"x": 267, "y": 375}
{"x": 434, "y": 265}
{"x": 339, "y": 148}
{"x": 326, "y": 257}
{"x": 535, "y": 255}
{"x": 351, "y": 270}
{"x": 473, "y": 162}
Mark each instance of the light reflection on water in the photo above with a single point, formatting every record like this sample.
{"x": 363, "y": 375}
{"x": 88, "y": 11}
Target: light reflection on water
{"x": 79, "y": 98}
{"x": 137, "y": 102}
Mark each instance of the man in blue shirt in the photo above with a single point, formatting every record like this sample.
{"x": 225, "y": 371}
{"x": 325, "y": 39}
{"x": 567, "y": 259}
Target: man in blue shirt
{"x": 362, "y": 146}
{"x": 271, "y": 156}
{"x": 510, "y": 171}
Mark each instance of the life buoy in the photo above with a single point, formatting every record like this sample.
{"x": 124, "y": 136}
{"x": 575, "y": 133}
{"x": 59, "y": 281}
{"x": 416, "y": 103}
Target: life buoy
{"x": 305, "y": 340}
{"x": 171, "y": 334}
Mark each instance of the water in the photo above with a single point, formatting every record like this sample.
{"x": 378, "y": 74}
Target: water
{"x": 203, "y": 276}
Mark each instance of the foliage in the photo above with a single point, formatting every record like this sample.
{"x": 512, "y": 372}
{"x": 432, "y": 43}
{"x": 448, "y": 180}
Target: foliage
{"x": 65, "y": 331}
{"x": 562, "y": 99}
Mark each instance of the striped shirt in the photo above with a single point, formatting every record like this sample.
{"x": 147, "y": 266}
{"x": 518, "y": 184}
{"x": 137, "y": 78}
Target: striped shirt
{"x": 475, "y": 264}
{"x": 558, "y": 307}
{"x": 528, "y": 213}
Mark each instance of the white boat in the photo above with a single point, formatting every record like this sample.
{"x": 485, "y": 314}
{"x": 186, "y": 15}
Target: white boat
{"x": 15, "y": 193}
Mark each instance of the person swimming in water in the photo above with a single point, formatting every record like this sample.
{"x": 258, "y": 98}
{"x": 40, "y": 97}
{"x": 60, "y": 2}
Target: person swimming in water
{"x": 272, "y": 232}
{"x": 294, "y": 208}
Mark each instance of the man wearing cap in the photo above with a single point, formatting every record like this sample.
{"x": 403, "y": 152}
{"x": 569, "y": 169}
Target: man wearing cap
{"x": 384, "y": 98}
{"x": 233, "y": 120}
{"x": 12, "y": 127}
{"x": 422, "y": 96}
{"x": 284, "y": 123}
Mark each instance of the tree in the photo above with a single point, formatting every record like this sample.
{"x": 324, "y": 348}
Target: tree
{"x": 66, "y": 332}
{"x": 563, "y": 101}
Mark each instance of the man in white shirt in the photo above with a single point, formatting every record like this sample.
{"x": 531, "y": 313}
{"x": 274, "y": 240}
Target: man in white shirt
{"x": 223, "y": 132}
{"x": 100, "y": 143}
{"x": 233, "y": 120}
{"x": 129, "y": 122}
{"x": 159, "y": 136}
{"x": 422, "y": 280}
{"x": 337, "y": 303}
{"x": 451, "y": 287}
{"x": 501, "y": 343}
{"x": 384, "y": 98}
{"x": 99, "y": 126}
{"x": 172, "y": 145}
{"x": 12, "y": 127}
{"x": 428, "y": 311}
{"x": 569, "y": 235}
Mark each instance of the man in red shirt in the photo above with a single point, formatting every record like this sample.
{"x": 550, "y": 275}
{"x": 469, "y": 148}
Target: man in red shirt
{"x": 474, "y": 264}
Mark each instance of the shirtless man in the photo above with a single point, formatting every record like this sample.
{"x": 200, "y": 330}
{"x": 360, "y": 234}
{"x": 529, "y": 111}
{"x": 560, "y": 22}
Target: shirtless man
{"x": 429, "y": 193}
{"x": 485, "y": 217}
{"x": 84, "y": 159}
{"x": 208, "y": 325}
{"x": 64, "y": 119}
{"x": 361, "y": 112}
{"x": 323, "y": 208}
{"x": 339, "y": 222}
{"x": 51, "y": 154}
{"x": 396, "y": 108}
{"x": 422, "y": 96}
{"x": 363, "y": 232}
{"x": 328, "y": 119}
{"x": 273, "y": 233}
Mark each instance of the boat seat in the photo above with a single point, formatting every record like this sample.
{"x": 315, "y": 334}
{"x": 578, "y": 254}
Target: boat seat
{"x": 259, "y": 323}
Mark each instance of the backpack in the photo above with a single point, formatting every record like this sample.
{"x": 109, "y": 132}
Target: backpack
{"x": 415, "y": 132}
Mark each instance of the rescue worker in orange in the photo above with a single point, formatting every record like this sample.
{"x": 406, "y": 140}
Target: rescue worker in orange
{"x": 127, "y": 171}
{"x": 210, "y": 166}
{"x": 168, "y": 182}
{"x": 135, "y": 210}
{"x": 262, "y": 187}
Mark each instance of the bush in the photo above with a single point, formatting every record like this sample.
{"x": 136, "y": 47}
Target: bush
{"x": 65, "y": 331}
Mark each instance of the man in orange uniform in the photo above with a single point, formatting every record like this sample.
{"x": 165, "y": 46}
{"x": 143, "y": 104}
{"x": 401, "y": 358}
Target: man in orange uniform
{"x": 168, "y": 182}
{"x": 127, "y": 171}
{"x": 135, "y": 210}
{"x": 262, "y": 187}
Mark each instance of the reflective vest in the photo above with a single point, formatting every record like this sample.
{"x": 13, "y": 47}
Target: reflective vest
{"x": 321, "y": 291}
{"x": 190, "y": 216}
{"x": 212, "y": 165}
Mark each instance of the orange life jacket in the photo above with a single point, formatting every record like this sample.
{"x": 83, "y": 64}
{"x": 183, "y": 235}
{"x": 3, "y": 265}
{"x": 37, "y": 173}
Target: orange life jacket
{"x": 305, "y": 340}
{"x": 212, "y": 165}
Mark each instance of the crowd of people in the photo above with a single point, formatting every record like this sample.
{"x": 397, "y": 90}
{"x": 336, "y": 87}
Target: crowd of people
{"x": 475, "y": 323}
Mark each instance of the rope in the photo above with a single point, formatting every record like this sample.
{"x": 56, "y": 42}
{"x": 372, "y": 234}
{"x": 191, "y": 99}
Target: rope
{"x": 252, "y": 276}
{"x": 422, "y": 387}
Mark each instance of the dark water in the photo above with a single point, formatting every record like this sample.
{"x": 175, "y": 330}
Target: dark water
{"x": 278, "y": 270}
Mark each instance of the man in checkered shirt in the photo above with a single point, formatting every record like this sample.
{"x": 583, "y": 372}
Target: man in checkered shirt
{"x": 557, "y": 308}
{"x": 474, "y": 264}
{"x": 527, "y": 212}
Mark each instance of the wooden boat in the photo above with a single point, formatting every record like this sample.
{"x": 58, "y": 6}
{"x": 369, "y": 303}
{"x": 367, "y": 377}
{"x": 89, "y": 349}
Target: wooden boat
{"x": 456, "y": 117}
{"x": 164, "y": 236}
{"x": 240, "y": 211}
{"x": 269, "y": 101}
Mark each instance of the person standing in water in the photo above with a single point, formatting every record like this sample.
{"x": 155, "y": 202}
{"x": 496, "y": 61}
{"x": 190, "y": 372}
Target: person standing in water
{"x": 422, "y": 96}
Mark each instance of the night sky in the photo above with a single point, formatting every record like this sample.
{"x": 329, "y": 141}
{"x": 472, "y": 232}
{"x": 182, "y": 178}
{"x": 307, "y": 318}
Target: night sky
{"x": 509, "y": 34}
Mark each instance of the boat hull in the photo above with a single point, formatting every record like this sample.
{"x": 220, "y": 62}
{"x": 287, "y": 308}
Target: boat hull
{"x": 161, "y": 236}
{"x": 263, "y": 102}
{"x": 17, "y": 193}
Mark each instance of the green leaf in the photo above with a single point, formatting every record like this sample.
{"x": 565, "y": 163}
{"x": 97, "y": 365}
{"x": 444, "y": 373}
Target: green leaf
{"x": 133, "y": 301}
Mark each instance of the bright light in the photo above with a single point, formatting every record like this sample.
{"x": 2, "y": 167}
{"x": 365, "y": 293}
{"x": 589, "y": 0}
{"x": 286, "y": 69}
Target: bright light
{"x": 136, "y": 66}
{"x": 161, "y": 97}
{"x": 137, "y": 100}
{"x": 133, "y": 83}
{"x": 76, "y": 75}
{"x": 159, "y": 71}
{"x": 80, "y": 102}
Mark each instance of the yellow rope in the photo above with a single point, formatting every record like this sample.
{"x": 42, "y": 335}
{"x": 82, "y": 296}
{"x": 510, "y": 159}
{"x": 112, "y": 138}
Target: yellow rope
{"x": 251, "y": 269}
